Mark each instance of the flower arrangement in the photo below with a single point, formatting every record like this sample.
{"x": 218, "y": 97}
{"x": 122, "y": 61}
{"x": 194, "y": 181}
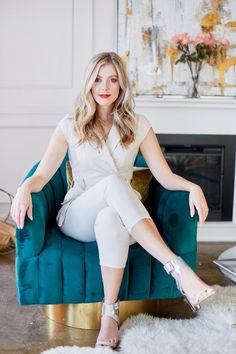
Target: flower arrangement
{"x": 195, "y": 52}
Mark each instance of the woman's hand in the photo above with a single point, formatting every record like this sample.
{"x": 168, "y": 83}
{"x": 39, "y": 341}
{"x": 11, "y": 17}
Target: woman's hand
{"x": 22, "y": 204}
{"x": 197, "y": 200}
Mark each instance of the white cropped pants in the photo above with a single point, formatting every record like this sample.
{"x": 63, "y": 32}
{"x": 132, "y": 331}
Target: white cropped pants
{"x": 106, "y": 213}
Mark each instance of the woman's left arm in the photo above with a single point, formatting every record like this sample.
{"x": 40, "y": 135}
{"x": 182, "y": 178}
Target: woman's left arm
{"x": 160, "y": 169}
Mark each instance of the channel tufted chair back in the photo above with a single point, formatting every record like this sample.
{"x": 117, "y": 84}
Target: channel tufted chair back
{"x": 52, "y": 268}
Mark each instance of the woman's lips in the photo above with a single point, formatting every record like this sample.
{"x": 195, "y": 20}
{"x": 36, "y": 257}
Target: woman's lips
{"x": 104, "y": 96}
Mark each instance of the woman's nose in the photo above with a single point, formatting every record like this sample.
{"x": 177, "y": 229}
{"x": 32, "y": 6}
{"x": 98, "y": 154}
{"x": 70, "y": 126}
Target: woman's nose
{"x": 104, "y": 85}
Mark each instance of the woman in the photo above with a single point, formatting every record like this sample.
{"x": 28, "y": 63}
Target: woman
{"x": 103, "y": 137}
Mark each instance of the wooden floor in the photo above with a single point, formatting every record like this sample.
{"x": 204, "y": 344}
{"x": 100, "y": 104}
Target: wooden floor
{"x": 27, "y": 330}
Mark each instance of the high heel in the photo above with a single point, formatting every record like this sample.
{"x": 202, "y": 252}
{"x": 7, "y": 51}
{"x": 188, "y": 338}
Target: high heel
{"x": 176, "y": 265}
{"x": 111, "y": 310}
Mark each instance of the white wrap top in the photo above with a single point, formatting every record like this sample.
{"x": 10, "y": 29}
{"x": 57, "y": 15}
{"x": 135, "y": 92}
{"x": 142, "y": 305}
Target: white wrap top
{"x": 91, "y": 164}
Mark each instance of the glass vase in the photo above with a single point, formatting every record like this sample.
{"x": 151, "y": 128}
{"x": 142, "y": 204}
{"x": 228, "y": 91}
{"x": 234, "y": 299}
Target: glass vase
{"x": 195, "y": 69}
{"x": 194, "y": 90}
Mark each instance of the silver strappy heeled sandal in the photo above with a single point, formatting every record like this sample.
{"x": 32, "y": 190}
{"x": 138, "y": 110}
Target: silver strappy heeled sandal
{"x": 177, "y": 265}
{"x": 111, "y": 310}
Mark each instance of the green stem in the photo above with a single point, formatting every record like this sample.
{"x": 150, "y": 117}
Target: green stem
{"x": 190, "y": 68}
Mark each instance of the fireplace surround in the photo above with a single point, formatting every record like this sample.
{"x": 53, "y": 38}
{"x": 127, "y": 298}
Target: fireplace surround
{"x": 208, "y": 160}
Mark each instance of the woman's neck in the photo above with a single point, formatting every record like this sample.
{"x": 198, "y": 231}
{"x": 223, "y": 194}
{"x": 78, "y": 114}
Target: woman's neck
{"x": 104, "y": 114}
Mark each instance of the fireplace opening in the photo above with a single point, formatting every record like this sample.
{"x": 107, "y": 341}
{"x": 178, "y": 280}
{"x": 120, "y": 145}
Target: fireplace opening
{"x": 208, "y": 160}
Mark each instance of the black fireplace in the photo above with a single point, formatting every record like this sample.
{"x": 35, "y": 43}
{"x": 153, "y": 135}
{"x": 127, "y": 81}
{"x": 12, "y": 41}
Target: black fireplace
{"x": 208, "y": 160}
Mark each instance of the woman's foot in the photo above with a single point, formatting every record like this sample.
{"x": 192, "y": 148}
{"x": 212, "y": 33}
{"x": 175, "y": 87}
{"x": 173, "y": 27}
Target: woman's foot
{"x": 190, "y": 285}
{"x": 109, "y": 331}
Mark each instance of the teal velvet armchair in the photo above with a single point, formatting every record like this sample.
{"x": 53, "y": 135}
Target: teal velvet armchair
{"x": 52, "y": 268}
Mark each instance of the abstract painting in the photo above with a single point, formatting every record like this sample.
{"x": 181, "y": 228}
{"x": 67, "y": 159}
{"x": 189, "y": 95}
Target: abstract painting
{"x": 145, "y": 29}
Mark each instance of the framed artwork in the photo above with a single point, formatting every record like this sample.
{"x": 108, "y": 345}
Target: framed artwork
{"x": 145, "y": 33}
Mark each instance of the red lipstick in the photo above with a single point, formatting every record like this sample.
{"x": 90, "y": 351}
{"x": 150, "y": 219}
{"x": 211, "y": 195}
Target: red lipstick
{"x": 104, "y": 96}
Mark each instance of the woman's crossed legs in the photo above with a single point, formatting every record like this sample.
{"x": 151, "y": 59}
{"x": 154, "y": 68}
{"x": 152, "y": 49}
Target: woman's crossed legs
{"x": 112, "y": 213}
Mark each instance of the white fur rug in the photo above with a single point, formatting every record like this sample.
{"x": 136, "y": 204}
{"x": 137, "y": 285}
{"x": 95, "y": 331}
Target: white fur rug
{"x": 209, "y": 332}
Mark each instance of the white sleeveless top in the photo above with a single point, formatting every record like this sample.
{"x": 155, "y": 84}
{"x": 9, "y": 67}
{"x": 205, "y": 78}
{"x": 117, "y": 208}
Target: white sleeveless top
{"x": 91, "y": 164}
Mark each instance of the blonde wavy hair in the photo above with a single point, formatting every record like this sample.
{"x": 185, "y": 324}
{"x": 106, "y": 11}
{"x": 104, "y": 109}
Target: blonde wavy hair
{"x": 84, "y": 116}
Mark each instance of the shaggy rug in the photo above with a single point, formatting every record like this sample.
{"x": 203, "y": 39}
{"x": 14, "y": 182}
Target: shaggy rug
{"x": 210, "y": 332}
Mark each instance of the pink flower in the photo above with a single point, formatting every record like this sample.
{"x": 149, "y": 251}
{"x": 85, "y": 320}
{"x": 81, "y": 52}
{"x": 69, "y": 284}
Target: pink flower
{"x": 224, "y": 42}
{"x": 181, "y": 39}
{"x": 201, "y": 38}
{"x": 212, "y": 43}
{"x": 205, "y": 38}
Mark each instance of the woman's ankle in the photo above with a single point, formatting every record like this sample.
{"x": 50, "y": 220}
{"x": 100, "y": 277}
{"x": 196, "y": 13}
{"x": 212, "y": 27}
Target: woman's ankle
{"x": 110, "y": 300}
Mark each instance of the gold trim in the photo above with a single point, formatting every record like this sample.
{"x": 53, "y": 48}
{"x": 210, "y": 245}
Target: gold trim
{"x": 87, "y": 316}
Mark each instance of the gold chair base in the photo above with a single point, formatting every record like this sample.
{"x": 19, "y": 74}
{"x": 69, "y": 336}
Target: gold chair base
{"x": 87, "y": 316}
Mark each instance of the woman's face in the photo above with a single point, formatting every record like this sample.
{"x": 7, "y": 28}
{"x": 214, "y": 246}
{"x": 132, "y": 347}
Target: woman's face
{"x": 106, "y": 87}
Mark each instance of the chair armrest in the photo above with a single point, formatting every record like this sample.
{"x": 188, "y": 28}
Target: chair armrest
{"x": 30, "y": 239}
{"x": 170, "y": 211}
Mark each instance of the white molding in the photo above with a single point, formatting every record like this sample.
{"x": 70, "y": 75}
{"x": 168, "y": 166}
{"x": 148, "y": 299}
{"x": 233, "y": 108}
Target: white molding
{"x": 217, "y": 232}
{"x": 41, "y": 86}
{"x": 83, "y": 39}
{"x": 56, "y": 96}
{"x": 105, "y": 26}
{"x": 185, "y": 102}
{"x": 29, "y": 121}
{"x": 189, "y": 116}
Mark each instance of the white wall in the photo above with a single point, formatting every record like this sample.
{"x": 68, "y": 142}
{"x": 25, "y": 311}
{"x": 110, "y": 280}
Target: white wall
{"x": 45, "y": 46}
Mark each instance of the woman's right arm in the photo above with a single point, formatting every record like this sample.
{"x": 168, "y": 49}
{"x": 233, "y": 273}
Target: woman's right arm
{"x": 52, "y": 159}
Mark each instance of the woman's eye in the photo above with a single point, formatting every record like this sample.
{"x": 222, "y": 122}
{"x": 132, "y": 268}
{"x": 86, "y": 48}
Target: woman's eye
{"x": 113, "y": 80}
{"x": 97, "y": 79}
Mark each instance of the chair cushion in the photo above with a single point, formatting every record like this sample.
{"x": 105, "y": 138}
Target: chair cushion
{"x": 141, "y": 181}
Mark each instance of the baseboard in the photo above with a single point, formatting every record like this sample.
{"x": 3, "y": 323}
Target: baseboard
{"x": 217, "y": 232}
